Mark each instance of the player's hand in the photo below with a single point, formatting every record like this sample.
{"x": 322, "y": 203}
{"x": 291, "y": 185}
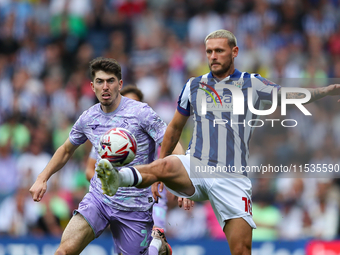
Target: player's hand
{"x": 38, "y": 190}
{"x": 186, "y": 203}
{"x": 155, "y": 191}
{"x": 333, "y": 90}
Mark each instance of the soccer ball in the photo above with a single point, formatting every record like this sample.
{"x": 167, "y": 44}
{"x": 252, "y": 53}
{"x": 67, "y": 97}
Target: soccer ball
{"x": 118, "y": 146}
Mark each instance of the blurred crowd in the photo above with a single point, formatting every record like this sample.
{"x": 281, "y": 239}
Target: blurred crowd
{"x": 45, "y": 48}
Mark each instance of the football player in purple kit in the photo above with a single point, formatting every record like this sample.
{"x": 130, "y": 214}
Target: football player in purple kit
{"x": 129, "y": 211}
{"x": 160, "y": 207}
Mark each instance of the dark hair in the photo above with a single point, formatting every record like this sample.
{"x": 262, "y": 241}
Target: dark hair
{"x": 108, "y": 65}
{"x": 132, "y": 89}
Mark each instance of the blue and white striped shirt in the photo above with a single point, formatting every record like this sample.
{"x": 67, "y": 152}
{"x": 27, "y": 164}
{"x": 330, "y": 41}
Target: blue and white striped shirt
{"x": 221, "y": 138}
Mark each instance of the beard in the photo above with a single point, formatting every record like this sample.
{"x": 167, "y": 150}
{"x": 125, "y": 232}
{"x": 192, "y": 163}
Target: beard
{"x": 225, "y": 68}
{"x": 104, "y": 103}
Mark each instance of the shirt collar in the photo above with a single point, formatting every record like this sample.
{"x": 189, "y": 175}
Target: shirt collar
{"x": 234, "y": 76}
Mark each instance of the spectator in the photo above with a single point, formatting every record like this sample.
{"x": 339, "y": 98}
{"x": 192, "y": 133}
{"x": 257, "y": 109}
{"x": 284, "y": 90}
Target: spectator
{"x": 295, "y": 221}
{"x": 19, "y": 214}
{"x": 9, "y": 176}
{"x": 32, "y": 162}
{"x": 265, "y": 214}
{"x": 15, "y": 134}
{"x": 203, "y": 23}
{"x": 324, "y": 212}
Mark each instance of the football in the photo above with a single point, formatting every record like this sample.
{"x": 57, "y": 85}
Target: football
{"x": 119, "y": 146}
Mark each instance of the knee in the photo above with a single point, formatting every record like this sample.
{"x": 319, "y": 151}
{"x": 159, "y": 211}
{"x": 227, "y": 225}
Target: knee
{"x": 240, "y": 249}
{"x": 165, "y": 168}
{"x": 60, "y": 252}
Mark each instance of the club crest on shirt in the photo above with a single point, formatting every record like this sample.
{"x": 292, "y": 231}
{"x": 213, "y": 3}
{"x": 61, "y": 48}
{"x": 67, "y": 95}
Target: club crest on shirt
{"x": 125, "y": 123}
{"x": 238, "y": 84}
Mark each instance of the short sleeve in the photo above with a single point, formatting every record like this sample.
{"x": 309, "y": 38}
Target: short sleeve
{"x": 77, "y": 135}
{"x": 264, "y": 88}
{"x": 152, "y": 123}
{"x": 183, "y": 104}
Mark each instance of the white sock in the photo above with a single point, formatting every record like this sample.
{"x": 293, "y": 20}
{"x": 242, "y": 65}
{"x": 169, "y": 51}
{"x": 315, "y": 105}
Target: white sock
{"x": 156, "y": 243}
{"x": 129, "y": 176}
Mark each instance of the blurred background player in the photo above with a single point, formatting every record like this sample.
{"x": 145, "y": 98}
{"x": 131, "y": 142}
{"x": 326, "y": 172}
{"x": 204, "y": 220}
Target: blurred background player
{"x": 160, "y": 207}
{"x": 129, "y": 212}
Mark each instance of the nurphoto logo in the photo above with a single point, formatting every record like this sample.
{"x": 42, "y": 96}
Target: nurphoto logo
{"x": 217, "y": 100}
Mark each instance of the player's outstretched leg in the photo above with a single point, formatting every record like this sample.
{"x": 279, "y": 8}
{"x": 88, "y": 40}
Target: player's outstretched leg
{"x": 109, "y": 177}
{"x": 158, "y": 235}
{"x": 169, "y": 170}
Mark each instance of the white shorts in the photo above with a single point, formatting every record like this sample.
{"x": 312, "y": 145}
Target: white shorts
{"x": 229, "y": 197}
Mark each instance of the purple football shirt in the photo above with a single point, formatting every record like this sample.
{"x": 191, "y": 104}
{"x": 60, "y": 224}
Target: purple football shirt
{"x": 148, "y": 129}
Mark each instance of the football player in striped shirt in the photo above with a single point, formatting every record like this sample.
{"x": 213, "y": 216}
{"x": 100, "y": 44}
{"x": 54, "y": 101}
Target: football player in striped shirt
{"x": 219, "y": 150}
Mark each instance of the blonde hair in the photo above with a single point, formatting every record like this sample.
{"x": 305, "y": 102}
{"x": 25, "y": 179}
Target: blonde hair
{"x": 232, "y": 42}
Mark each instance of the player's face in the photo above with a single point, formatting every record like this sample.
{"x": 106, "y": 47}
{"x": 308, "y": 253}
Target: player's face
{"x": 220, "y": 56}
{"x": 106, "y": 86}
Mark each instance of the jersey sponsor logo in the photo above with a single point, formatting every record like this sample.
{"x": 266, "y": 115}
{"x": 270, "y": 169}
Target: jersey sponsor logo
{"x": 216, "y": 100}
{"x": 236, "y": 101}
{"x": 226, "y": 106}
{"x": 227, "y": 99}
{"x": 208, "y": 92}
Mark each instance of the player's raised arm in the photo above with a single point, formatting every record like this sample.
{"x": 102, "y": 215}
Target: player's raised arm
{"x": 316, "y": 93}
{"x": 59, "y": 159}
{"x": 178, "y": 149}
{"x": 172, "y": 134}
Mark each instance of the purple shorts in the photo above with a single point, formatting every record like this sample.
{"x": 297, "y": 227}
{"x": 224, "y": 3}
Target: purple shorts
{"x": 131, "y": 231}
{"x": 159, "y": 210}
